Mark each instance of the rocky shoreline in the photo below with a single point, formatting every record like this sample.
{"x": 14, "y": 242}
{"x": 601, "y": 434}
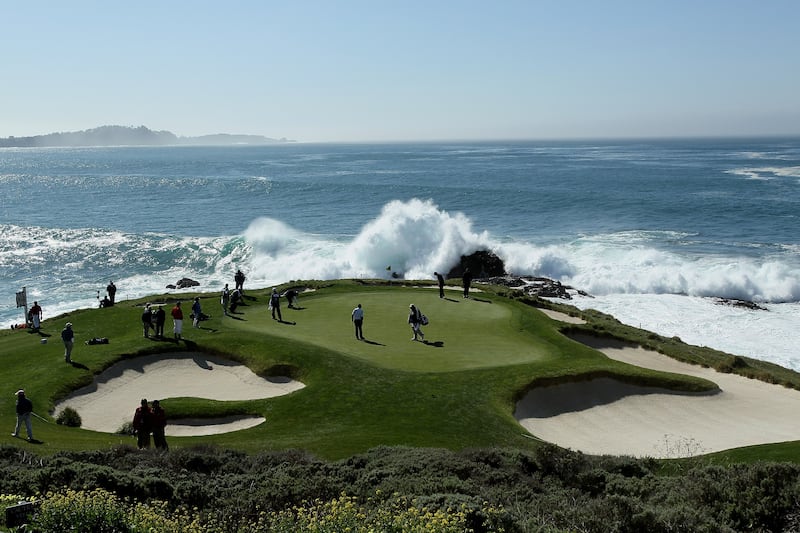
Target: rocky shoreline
{"x": 550, "y": 288}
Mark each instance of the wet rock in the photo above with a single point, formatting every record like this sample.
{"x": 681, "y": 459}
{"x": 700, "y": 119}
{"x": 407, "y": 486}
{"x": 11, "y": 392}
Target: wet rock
{"x": 482, "y": 264}
{"x": 184, "y": 283}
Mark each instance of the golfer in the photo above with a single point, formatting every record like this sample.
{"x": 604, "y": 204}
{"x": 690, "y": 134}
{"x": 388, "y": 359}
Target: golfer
{"x": 24, "y": 410}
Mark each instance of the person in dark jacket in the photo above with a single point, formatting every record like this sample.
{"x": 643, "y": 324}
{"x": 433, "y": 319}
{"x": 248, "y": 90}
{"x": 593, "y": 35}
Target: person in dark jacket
{"x": 143, "y": 424}
{"x": 68, "y": 337}
{"x": 275, "y": 304}
{"x": 159, "y": 423}
{"x": 467, "y": 279}
{"x": 147, "y": 320}
{"x": 415, "y": 319}
{"x": 440, "y": 280}
{"x": 161, "y": 318}
{"x": 24, "y": 410}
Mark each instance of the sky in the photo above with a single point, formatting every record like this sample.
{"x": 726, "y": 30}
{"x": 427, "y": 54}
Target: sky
{"x": 375, "y": 71}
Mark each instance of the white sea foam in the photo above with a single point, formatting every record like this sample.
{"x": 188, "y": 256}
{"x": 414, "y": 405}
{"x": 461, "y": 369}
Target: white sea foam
{"x": 766, "y": 173}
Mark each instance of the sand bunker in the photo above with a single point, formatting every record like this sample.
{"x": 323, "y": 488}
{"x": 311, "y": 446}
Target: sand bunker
{"x": 111, "y": 400}
{"x": 605, "y": 416}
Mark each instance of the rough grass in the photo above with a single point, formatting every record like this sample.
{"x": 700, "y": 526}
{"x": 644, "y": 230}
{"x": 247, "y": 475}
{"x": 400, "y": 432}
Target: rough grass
{"x": 456, "y": 392}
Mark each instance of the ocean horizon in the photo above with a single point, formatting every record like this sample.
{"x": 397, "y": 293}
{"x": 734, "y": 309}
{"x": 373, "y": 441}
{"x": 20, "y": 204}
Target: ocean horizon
{"x": 653, "y": 230}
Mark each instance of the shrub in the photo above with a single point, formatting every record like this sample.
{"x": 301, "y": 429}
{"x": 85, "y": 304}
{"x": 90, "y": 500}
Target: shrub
{"x": 69, "y": 417}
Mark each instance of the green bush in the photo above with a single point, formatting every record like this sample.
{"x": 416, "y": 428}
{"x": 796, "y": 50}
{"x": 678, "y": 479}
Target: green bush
{"x": 69, "y": 417}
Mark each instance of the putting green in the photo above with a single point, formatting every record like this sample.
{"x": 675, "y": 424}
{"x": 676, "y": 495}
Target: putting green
{"x": 479, "y": 332}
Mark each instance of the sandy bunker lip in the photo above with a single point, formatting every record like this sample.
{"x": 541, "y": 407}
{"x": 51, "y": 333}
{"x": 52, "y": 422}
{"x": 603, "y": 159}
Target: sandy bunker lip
{"x": 110, "y": 401}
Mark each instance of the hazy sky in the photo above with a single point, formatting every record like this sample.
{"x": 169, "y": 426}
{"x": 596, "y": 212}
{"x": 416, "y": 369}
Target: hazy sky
{"x": 374, "y": 70}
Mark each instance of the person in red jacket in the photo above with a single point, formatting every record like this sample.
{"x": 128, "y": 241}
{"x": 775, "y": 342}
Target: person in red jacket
{"x": 177, "y": 320}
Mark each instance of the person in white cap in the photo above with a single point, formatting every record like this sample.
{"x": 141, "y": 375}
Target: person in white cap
{"x": 24, "y": 410}
{"x": 68, "y": 336}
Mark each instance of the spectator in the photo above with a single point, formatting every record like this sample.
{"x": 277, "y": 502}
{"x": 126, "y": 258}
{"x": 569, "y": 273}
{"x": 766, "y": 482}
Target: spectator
{"x": 143, "y": 424}
{"x": 159, "y": 425}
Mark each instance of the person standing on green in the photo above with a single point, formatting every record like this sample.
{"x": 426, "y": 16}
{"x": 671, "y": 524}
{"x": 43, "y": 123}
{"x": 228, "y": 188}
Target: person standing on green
{"x": 358, "y": 320}
{"x": 68, "y": 336}
{"x": 467, "y": 279}
{"x": 440, "y": 281}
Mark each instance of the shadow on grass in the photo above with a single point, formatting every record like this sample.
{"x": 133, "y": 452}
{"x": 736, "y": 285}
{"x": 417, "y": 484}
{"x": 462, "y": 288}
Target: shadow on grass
{"x": 434, "y": 344}
{"x": 79, "y": 365}
{"x": 480, "y": 300}
{"x": 451, "y": 300}
{"x": 373, "y": 343}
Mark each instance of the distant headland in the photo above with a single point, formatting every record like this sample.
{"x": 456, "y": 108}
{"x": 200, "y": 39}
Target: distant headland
{"x": 131, "y": 136}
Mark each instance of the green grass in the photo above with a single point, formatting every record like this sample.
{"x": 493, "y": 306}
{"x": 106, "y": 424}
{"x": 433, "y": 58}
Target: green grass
{"x": 457, "y": 391}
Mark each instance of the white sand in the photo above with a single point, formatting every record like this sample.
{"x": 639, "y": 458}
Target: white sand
{"x": 562, "y": 317}
{"x": 115, "y": 394}
{"x": 604, "y": 416}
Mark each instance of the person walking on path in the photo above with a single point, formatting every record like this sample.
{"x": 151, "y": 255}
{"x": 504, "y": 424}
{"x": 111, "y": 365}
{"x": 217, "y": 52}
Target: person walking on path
{"x": 24, "y": 410}
{"x": 177, "y": 320}
{"x": 161, "y": 317}
{"x": 197, "y": 311}
{"x": 68, "y": 336}
{"x": 275, "y": 304}
{"x": 415, "y": 319}
{"x": 467, "y": 279}
{"x": 147, "y": 320}
{"x": 440, "y": 280}
{"x": 225, "y": 299}
{"x": 358, "y": 320}
{"x": 112, "y": 291}
{"x": 36, "y": 316}
{"x": 143, "y": 424}
{"x": 159, "y": 425}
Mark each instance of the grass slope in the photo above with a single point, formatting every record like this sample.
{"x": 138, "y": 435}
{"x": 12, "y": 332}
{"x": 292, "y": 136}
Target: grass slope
{"x": 456, "y": 391}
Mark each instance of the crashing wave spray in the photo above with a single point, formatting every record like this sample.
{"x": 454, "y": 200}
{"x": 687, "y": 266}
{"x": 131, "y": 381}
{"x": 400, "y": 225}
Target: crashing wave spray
{"x": 412, "y": 239}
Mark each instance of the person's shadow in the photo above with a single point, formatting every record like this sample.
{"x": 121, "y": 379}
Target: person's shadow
{"x": 480, "y": 300}
{"x": 79, "y": 365}
{"x": 434, "y": 344}
{"x": 373, "y": 342}
{"x": 450, "y": 300}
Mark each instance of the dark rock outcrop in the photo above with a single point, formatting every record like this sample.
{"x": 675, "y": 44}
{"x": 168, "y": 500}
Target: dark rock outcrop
{"x": 746, "y": 304}
{"x": 482, "y": 264}
{"x": 184, "y": 283}
{"x": 536, "y": 286}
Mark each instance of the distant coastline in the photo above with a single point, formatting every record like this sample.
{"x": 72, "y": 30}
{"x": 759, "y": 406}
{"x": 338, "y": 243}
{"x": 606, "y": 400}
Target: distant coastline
{"x": 132, "y": 136}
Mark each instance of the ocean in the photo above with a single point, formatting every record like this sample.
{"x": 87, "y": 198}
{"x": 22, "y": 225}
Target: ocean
{"x": 652, "y": 230}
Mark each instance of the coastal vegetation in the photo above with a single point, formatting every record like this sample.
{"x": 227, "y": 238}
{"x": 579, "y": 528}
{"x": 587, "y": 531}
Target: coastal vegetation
{"x": 385, "y": 431}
